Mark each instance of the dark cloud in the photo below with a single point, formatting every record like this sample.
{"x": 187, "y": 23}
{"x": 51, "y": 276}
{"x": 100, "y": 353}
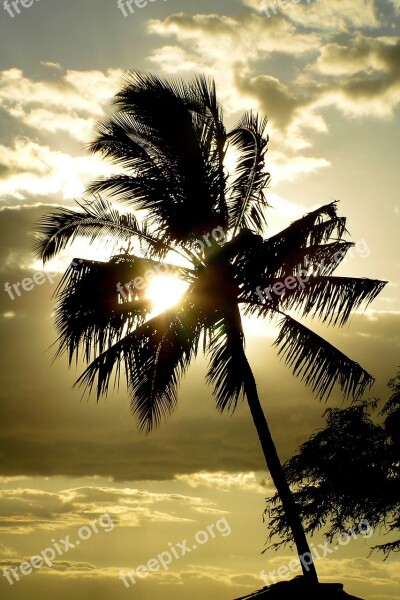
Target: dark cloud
{"x": 278, "y": 101}
{"x": 47, "y": 431}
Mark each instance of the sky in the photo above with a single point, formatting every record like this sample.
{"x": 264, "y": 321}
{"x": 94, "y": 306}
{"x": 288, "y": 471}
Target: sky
{"x": 327, "y": 76}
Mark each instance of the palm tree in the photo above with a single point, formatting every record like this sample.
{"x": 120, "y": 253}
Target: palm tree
{"x": 168, "y": 140}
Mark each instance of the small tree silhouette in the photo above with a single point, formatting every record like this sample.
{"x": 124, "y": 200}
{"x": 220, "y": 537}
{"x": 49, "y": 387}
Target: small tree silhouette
{"x": 348, "y": 472}
{"x": 170, "y": 141}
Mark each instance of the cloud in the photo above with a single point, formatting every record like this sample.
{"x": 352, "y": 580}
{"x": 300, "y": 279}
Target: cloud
{"x": 36, "y": 162}
{"x": 278, "y": 101}
{"x": 224, "y": 481}
{"x": 6, "y": 552}
{"x": 365, "y": 54}
{"x": 68, "y": 101}
{"x": 359, "y": 76}
{"x": 362, "y": 78}
{"x": 396, "y": 5}
{"x": 33, "y": 445}
{"x": 29, "y": 168}
{"x": 65, "y": 568}
{"x": 17, "y": 259}
{"x": 225, "y": 46}
{"x": 290, "y": 168}
{"x": 24, "y": 510}
{"x": 199, "y": 580}
{"x": 188, "y": 576}
{"x": 51, "y": 65}
{"x": 16, "y": 225}
{"x": 323, "y": 15}
{"x": 228, "y": 48}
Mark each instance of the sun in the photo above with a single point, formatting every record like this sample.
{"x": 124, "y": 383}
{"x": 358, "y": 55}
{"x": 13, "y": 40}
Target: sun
{"x": 164, "y": 291}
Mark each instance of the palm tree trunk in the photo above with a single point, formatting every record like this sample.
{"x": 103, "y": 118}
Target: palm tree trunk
{"x": 275, "y": 468}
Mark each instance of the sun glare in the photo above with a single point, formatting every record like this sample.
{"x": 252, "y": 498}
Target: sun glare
{"x": 258, "y": 327}
{"x": 164, "y": 291}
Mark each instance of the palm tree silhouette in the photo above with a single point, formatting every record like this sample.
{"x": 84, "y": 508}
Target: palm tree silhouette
{"x": 169, "y": 142}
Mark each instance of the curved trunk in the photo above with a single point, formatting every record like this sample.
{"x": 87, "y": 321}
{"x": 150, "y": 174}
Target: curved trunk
{"x": 275, "y": 468}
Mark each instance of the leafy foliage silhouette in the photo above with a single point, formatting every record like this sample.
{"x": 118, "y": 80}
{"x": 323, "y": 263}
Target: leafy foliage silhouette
{"x": 348, "y": 472}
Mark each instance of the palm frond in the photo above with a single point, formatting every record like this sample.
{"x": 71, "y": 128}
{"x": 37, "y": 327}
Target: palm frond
{"x": 95, "y": 220}
{"x": 227, "y": 362}
{"x": 331, "y": 299}
{"x": 260, "y": 268}
{"x": 169, "y": 153}
{"x": 117, "y": 140}
{"x": 393, "y": 404}
{"x": 215, "y": 133}
{"x": 320, "y": 259}
{"x": 328, "y": 229}
{"x": 142, "y": 92}
{"x": 312, "y": 245}
{"x": 154, "y": 355}
{"x": 245, "y": 196}
{"x": 319, "y": 364}
{"x": 98, "y": 303}
{"x": 155, "y": 374}
{"x": 313, "y": 228}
